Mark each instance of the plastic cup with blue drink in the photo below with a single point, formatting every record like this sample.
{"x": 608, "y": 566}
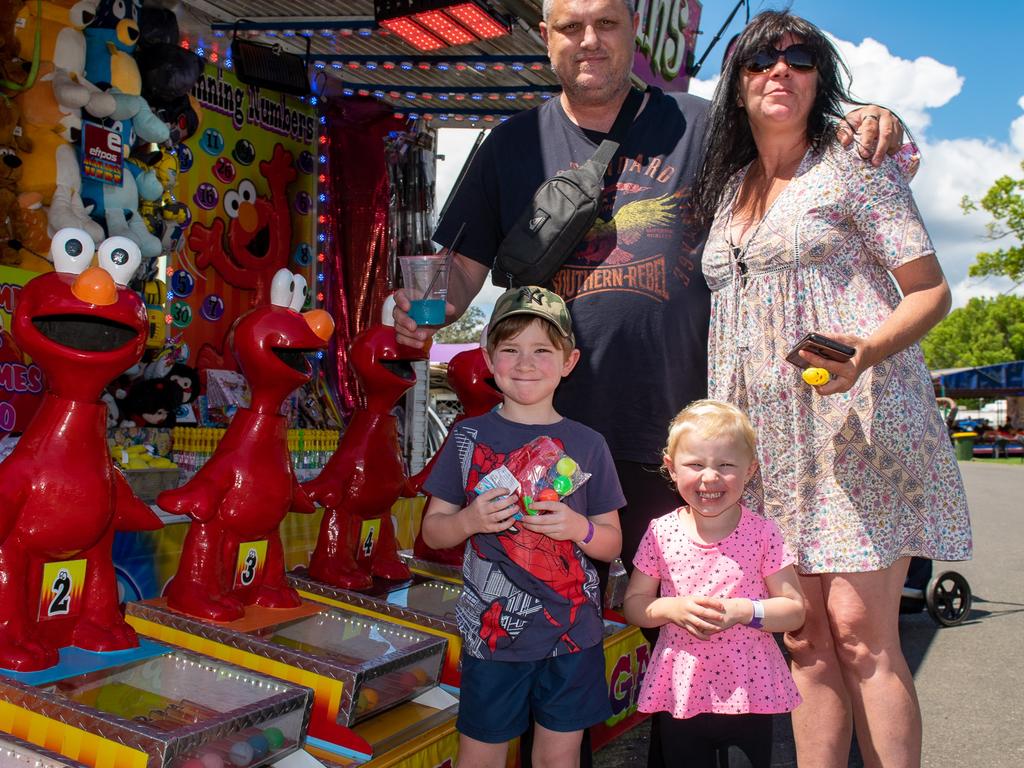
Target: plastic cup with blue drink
{"x": 425, "y": 278}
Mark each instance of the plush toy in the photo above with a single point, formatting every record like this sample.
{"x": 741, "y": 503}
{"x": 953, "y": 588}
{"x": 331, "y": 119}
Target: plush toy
{"x": 51, "y": 170}
{"x": 157, "y": 165}
{"x": 110, "y": 41}
{"x": 52, "y": 166}
{"x": 116, "y": 207}
{"x": 29, "y": 243}
{"x": 63, "y": 44}
{"x": 151, "y": 403}
{"x": 12, "y": 132}
{"x": 168, "y": 72}
{"x": 10, "y": 173}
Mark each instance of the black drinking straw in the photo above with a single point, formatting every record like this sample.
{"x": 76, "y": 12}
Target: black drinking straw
{"x": 447, "y": 253}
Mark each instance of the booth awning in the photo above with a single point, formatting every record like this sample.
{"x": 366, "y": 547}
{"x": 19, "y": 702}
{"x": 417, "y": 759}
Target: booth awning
{"x": 1002, "y": 380}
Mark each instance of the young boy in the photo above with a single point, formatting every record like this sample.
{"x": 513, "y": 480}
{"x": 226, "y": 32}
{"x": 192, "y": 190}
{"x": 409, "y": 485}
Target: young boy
{"x": 529, "y": 613}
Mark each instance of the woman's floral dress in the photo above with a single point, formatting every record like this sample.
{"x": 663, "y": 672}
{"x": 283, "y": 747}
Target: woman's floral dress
{"x": 855, "y": 480}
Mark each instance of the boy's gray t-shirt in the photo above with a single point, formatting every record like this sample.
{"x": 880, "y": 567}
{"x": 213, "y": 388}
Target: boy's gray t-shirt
{"x": 525, "y": 596}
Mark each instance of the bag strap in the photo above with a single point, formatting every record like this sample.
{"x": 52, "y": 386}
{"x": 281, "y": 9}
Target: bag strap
{"x": 627, "y": 113}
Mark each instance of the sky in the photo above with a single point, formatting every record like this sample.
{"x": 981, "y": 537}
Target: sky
{"x": 952, "y": 70}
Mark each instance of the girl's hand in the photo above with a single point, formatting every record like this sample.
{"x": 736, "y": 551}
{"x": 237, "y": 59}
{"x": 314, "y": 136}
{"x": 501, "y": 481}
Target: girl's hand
{"x": 738, "y": 610}
{"x": 488, "y": 513}
{"x": 842, "y": 375}
{"x": 557, "y": 521}
{"x": 701, "y": 616}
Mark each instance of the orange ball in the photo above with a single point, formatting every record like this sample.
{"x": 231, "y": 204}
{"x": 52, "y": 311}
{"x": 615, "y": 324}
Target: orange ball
{"x": 547, "y": 494}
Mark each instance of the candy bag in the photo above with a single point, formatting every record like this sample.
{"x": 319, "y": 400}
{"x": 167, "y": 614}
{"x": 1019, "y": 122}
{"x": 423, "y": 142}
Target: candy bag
{"x": 544, "y": 472}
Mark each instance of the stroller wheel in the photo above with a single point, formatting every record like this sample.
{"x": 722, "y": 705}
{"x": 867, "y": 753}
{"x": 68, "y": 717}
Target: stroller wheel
{"x": 948, "y": 598}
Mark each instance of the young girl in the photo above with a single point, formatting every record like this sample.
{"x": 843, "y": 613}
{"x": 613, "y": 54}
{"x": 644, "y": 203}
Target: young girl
{"x": 726, "y": 583}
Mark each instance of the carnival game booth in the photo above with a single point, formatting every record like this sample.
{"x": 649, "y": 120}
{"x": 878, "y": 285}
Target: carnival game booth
{"x": 154, "y": 707}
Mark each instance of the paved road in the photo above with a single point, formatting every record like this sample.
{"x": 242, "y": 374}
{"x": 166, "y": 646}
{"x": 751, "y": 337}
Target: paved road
{"x": 970, "y": 678}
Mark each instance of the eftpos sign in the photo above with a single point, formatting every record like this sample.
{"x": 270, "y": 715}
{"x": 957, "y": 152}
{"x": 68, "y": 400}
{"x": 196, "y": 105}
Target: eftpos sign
{"x": 665, "y": 41}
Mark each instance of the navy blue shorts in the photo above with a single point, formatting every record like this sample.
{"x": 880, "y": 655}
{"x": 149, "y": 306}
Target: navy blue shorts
{"x": 564, "y": 693}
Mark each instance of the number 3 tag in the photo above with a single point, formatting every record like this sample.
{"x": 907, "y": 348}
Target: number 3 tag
{"x": 252, "y": 556}
{"x": 61, "y": 590}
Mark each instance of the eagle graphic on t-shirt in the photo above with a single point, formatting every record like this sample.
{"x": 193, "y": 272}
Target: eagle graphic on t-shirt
{"x": 604, "y": 242}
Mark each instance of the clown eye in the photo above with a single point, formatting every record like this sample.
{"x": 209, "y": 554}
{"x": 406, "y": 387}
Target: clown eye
{"x": 247, "y": 191}
{"x": 119, "y": 9}
{"x": 71, "y": 250}
{"x": 299, "y": 293}
{"x": 232, "y": 202}
{"x": 288, "y": 290}
{"x": 281, "y": 288}
{"x": 120, "y": 257}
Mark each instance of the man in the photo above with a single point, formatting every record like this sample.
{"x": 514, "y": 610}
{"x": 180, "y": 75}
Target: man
{"x": 639, "y": 301}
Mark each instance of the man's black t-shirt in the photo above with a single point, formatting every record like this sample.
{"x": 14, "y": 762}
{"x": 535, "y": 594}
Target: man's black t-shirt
{"x": 634, "y": 286}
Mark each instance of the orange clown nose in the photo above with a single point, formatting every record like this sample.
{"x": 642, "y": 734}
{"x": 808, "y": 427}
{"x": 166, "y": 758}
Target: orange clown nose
{"x": 95, "y": 286}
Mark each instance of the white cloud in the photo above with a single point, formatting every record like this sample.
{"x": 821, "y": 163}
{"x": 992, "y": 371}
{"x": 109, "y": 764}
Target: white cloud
{"x": 908, "y": 87}
{"x": 705, "y": 88}
{"x": 454, "y": 144}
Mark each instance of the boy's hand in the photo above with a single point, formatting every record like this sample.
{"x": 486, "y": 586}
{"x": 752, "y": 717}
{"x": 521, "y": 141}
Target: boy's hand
{"x": 557, "y": 521}
{"x": 701, "y": 616}
{"x": 488, "y": 513}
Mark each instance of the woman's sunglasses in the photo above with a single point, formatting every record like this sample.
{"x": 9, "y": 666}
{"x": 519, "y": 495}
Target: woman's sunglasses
{"x": 798, "y": 57}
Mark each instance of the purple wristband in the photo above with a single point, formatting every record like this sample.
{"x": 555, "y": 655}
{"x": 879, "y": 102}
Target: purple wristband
{"x": 590, "y": 532}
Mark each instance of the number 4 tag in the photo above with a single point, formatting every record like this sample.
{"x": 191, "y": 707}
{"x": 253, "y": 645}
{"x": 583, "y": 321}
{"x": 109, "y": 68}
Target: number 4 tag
{"x": 368, "y": 535}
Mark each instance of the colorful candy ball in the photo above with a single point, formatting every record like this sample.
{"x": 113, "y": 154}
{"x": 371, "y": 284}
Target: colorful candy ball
{"x": 562, "y": 485}
{"x": 547, "y": 494}
{"x": 274, "y": 737}
{"x": 565, "y": 466}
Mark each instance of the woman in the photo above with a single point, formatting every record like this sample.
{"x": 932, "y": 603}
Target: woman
{"x": 858, "y": 472}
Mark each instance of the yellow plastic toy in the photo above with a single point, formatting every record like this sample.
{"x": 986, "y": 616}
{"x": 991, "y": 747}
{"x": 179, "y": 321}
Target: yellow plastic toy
{"x": 815, "y": 376}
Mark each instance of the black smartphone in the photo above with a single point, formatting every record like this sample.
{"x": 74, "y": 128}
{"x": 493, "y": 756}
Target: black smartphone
{"x": 822, "y": 346}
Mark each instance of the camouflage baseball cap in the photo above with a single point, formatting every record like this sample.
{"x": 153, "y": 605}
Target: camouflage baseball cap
{"x": 534, "y": 300}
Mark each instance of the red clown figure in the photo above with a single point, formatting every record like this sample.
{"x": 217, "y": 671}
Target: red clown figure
{"x": 365, "y": 476}
{"x": 471, "y": 380}
{"x": 232, "y": 556}
{"x": 60, "y": 497}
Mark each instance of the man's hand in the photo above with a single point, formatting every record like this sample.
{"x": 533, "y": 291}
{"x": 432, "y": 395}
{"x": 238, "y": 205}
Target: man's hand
{"x": 406, "y": 329}
{"x": 876, "y": 130}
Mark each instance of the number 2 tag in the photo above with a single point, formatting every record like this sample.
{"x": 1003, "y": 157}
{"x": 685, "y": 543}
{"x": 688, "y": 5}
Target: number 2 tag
{"x": 61, "y": 589}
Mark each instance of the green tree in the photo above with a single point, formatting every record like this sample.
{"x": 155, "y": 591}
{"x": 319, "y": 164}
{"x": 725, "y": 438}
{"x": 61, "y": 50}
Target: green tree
{"x": 464, "y": 330}
{"x": 985, "y": 332}
{"x": 1005, "y": 202}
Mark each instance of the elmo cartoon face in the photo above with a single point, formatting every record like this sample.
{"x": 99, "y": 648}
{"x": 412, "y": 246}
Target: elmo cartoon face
{"x": 251, "y": 227}
{"x": 80, "y": 323}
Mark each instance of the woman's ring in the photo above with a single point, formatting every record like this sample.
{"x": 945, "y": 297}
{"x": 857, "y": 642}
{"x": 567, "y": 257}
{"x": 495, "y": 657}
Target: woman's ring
{"x": 869, "y": 117}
